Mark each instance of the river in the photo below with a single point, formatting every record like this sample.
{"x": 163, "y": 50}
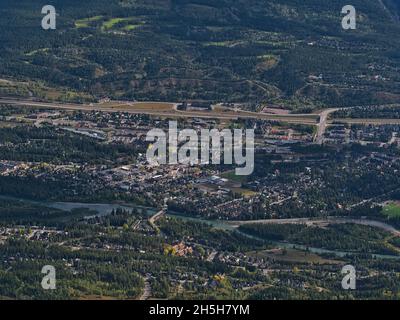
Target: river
{"x": 106, "y": 208}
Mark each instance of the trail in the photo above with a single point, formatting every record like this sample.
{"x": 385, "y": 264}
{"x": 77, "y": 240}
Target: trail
{"x": 147, "y": 289}
{"x": 393, "y": 15}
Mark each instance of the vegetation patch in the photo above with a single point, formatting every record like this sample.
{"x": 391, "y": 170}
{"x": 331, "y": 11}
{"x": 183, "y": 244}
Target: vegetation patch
{"x": 85, "y": 23}
{"x": 292, "y": 255}
{"x": 392, "y": 210}
{"x": 342, "y": 237}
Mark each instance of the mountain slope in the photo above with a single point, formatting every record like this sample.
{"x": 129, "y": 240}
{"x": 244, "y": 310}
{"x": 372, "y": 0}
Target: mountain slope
{"x": 289, "y": 52}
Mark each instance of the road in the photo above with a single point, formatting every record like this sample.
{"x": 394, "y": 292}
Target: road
{"x": 133, "y": 108}
{"x": 147, "y": 289}
{"x": 323, "y": 119}
{"x": 212, "y": 255}
{"x": 157, "y": 216}
{"x": 153, "y": 219}
{"x": 281, "y": 201}
{"x": 170, "y": 110}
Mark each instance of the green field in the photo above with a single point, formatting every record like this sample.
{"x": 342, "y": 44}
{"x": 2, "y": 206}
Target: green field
{"x": 131, "y": 27}
{"x": 110, "y": 24}
{"x": 84, "y": 23}
{"x": 106, "y": 24}
{"x": 392, "y": 210}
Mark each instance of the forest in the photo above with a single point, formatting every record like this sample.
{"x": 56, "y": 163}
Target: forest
{"x": 287, "y": 52}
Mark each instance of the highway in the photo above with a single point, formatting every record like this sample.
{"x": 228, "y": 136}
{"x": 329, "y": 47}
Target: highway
{"x": 321, "y": 119}
{"x": 133, "y": 108}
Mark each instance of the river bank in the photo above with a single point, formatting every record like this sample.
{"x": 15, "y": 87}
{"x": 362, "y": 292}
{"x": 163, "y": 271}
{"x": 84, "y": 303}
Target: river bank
{"x": 106, "y": 208}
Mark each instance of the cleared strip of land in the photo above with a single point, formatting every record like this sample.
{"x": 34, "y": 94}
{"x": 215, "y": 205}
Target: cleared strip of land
{"x": 167, "y": 110}
{"x": 366, "y": 121}
{"x": 321, "y": 222}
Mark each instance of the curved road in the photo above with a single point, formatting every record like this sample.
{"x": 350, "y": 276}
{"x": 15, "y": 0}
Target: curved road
{"x": 130, "y": 108}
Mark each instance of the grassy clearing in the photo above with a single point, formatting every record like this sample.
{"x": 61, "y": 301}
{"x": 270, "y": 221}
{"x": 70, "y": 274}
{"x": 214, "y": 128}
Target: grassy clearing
{"x": 4, "y": 124}
{"x": 84, "y": 23}
{"x": 107, "y": 24}
{"x": 221, "y": 43}
{"x": 32, "y": 53}
{"x": 268, "y": 61}
{"x": 131, "y": 27}
{"x": 392, "y": 210}
{"x": 244, "y": 192}
{"x": 230, "y": 175}
{"x": 110, "y": 23}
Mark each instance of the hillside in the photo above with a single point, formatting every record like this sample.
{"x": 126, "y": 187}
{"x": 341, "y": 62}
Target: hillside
{"x": 288, "y": 52}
